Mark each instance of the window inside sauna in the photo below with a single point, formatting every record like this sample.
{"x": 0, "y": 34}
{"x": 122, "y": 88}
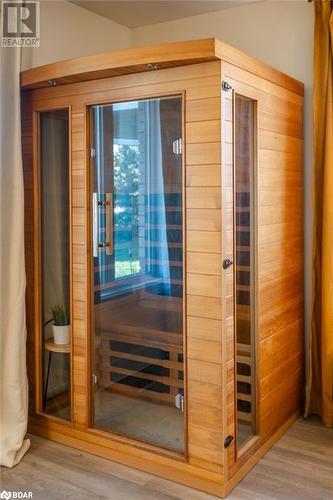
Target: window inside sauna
{"x": 55, "y": 263}
{"x": 137, "y": 269}
{"x": 245, "y": 236}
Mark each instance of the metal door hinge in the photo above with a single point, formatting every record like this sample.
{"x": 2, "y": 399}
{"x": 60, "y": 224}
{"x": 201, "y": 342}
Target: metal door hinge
{"x": 94, "y": 379}
{"x": 228, "y": 440}
{"x": 92, "y": 152}
{"x": 179, "y": 401}
{"x": 177, "y": 146}
{"x": 226, "y": 86}
{"x": 227, "y": 263}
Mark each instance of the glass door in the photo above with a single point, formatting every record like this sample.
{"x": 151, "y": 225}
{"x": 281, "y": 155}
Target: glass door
{"x": 55, "y": 263}
{"x": 137, "y": 269}
{"x": 245, "y": 265}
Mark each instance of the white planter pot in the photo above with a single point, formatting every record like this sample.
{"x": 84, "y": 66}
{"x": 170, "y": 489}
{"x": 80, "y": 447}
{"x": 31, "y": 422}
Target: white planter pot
{"x": 61, "y": 334}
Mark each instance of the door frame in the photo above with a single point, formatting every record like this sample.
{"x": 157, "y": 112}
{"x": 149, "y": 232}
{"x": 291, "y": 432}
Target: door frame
{"x": 37, "y": 109}
{"x": 234, "y": 458}
{"x": 108, "y": 99}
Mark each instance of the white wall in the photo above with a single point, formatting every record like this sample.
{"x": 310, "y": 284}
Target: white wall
{"x": 279, "y": 33}
{"x": 68, "y": 31}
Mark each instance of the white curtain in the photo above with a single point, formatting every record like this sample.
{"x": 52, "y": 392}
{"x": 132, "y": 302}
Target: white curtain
{"x": 13, "y": 376}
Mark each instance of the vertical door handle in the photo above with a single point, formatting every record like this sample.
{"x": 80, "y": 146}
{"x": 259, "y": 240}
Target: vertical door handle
{"x": 95, "y": 224}
{"x": 107, "y": 204}
{"x": 109, "y": 223}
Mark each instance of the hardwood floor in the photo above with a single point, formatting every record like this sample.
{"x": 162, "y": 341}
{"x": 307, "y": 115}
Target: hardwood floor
{"x": 299, "y": 466}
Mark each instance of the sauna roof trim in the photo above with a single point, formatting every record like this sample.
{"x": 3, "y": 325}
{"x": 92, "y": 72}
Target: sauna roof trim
{"x": 138, "y": 60}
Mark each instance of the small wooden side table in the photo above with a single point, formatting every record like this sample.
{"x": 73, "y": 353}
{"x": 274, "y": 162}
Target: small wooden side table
{"x": 52, "y": 347}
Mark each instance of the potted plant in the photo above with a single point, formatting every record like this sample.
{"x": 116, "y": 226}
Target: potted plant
{"x": 60, "y": 325}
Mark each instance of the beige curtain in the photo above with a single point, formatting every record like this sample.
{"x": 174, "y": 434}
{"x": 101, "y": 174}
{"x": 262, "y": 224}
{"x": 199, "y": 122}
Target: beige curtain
{"x": 320, "y": 384}
{"x": 13, "y": 377}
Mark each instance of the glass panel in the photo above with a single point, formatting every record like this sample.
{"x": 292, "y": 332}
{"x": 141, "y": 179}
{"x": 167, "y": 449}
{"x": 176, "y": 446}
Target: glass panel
{"x": 55, "y": 255}
{"x": 245, "y": 267}
{"x": 138, "y": 269}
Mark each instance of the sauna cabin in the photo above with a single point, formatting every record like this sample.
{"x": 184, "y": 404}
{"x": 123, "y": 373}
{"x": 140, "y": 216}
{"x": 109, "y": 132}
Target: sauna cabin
{"x": 163, "y": 202}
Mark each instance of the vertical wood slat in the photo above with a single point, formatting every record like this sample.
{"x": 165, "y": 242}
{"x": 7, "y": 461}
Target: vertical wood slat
{"x": 228, "y": 373}
{"x": 80, "y": 270}
{"x": 203, "y": 258}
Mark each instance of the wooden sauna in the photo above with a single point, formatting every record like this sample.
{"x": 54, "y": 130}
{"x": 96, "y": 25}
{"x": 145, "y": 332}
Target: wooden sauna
{"x": 163, "y": 202}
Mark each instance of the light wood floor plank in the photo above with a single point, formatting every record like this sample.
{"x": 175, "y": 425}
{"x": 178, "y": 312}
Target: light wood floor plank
{"x": 298, "y": 467}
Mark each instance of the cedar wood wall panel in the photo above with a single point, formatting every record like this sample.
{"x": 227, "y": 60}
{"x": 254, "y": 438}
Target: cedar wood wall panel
{"x": 279, "y": 250}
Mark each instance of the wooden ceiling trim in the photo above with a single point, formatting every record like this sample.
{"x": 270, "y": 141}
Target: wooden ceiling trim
{"x": 138, "y": 60}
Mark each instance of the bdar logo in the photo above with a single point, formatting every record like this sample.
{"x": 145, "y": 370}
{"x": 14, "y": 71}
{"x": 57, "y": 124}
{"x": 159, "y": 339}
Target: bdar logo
{"x": 5, "y": 494}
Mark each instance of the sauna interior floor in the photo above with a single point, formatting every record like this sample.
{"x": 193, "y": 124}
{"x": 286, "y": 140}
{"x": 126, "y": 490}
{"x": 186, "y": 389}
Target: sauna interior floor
{"x": 147, "y": 421}
{"x": 298, "y": 467}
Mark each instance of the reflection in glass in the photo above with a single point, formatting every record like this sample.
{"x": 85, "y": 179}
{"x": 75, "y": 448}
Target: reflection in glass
{"x": 244, "y": 277}
{"x": 138, "y": 269}
{"x": 55, "y": 262}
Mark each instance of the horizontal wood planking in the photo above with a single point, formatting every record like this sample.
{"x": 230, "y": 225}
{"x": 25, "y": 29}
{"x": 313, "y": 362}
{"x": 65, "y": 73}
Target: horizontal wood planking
{"x": 280, "y": 314}
{"x": 276, "y": 398}
{"x": 202, "y": 131}
{"x": 280, "y": 160}
{"x": 248, "y": 79}
{"x": 157, "y": 79}
{"x": 204, "y": 391}
{"x": 272, "y": 270}
{"x": 203, "y": 219}
{"x": 202, "y": 176}
{"x": 203, "y": 153}
{"x": 283, "y": 123}
{"x": 271, "y": 291}
{"x": 150, "y": 77}
{"x": 203, "y": 263}
{"x": 137, "y": 60}
{"x": 280, "y": 243}
{"x": 280, "y": 142}
{"x": 203, "y": 169}
{"x": 203, "y": 257}
{"x": 253, "y": 67}
{"x": 280, "y": 154}
{"x": 203, "y": 306}
{"x": 204, "y": 415}
{"x": 206, "y": 286}
{"x": 279, "y": 232}
{"x": 203, "y": 109}
{"x": 204, "y": 241}
{"x": 270, "y": 177}
{"x": 203, "y": 197}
